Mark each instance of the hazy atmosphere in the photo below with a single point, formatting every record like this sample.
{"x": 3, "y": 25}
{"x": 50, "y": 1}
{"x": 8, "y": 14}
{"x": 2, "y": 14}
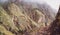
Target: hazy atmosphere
{"x": 53, "y": 3}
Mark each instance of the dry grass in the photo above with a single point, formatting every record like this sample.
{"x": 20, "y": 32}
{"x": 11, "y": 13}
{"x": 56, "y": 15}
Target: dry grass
{"x": 18, "y": 22}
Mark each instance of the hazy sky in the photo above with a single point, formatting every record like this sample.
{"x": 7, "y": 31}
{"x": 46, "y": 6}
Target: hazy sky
{"x": 53, "y": 3}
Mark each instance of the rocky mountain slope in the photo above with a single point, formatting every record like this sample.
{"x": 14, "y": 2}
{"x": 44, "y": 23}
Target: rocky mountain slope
{"x": 22, "y": 19}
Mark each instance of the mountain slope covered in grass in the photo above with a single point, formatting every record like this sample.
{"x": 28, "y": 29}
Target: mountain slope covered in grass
{"x": 21, "y": 20}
